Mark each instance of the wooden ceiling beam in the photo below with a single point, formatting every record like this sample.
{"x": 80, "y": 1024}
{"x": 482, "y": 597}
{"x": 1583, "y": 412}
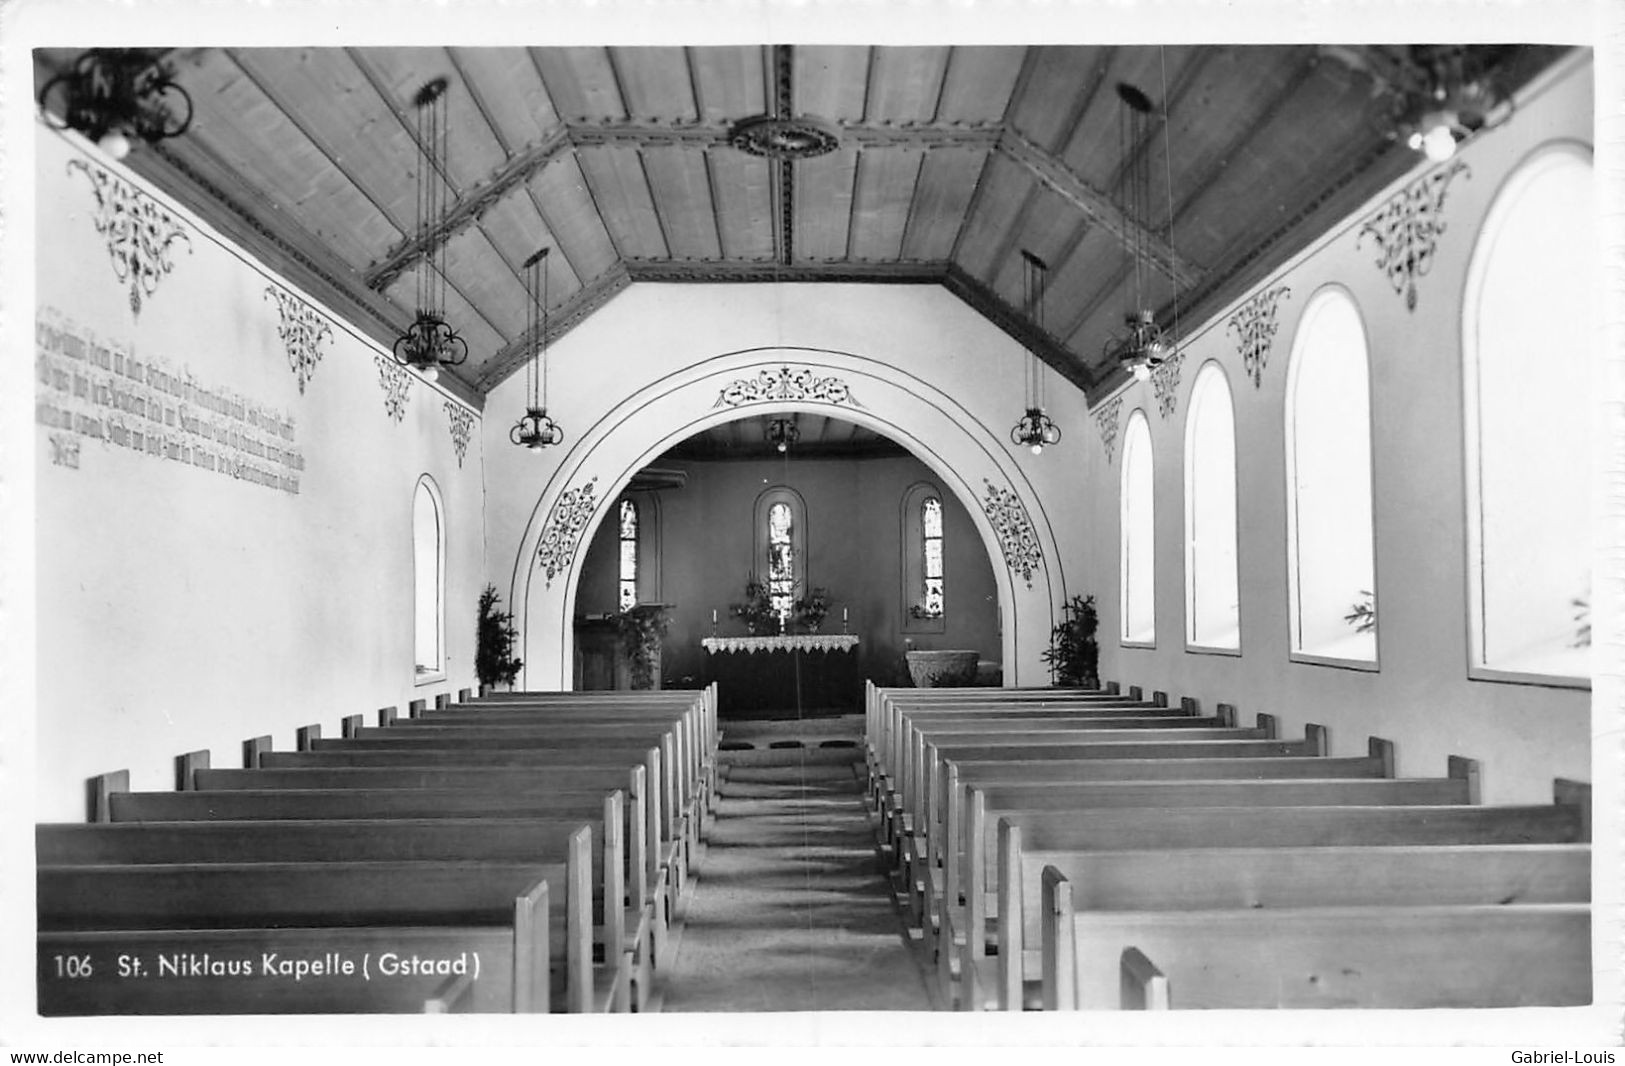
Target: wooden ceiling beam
{"x": 570, "y": 314}
{"x": 1049, "y": 170}
{"x": 987, "y": 303}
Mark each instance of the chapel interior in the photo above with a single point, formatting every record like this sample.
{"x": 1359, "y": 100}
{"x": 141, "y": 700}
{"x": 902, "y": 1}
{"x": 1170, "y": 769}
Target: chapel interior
{"x": 784, "y": 406}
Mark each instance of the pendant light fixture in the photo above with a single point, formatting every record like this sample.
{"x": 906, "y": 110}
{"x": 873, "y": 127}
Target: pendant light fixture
{"x": 116, "y": 96}
{"x": 1034, "y": 429}
{"x": 782, "y": 432}
{"x": 430, "y": 343}
{"x": 1145, "y": 345}
{"x": 536, "y": 430}
{"x": 1458, "y": 96}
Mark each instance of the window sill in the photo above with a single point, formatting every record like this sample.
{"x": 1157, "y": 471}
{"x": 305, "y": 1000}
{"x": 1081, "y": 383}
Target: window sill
{"x": 1206, "y": 649}
{"x": 429, "y": 677}
{"x": 1369, "y": 666}
{"x": 1148, "y": 645}
{"x": 1515, "y": 677}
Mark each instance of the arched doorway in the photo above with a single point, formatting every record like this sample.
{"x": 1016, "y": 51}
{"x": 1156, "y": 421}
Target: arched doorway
{"x": 969, "y": 460}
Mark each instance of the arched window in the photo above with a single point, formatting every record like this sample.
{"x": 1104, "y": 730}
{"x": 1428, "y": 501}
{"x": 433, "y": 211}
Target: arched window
{"x": 781, "y": 546}
{"x": 1528, "y": 335}
{"x": 628, "y": 597}
{"x": 1331, "y": 556}
{"x": 781, "y": 559}
{"x": 924, "y": 592}
{"x": 428, "y": 578}
{"x": 1137, "y": 524}
{"x": 1212, "y": 605}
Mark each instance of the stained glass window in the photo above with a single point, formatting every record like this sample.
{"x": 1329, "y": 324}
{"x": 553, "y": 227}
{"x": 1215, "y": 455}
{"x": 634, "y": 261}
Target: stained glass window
{"x": 780, "y": 560}
{"x": 931, "y": 540}
{"x": 629, "y": 555}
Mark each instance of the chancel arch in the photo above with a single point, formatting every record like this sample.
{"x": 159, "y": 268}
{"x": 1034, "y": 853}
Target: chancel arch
{"x": 968, "y": 459}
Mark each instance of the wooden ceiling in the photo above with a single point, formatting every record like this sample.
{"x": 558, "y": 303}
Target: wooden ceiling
{"x": 951, "y": 161}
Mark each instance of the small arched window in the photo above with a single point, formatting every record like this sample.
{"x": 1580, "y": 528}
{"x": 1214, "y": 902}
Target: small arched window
{"x": 628, "y": 597}
{"x": 924, "y": 591}
{"x": 428, "y": 578}
{"x": 1137, "y": 523}
{"x": 781, "y": 547}
{"x": 1528, "y": 337}
{"x": 1212, "y": 603}
{"x": 1331, "y": 558}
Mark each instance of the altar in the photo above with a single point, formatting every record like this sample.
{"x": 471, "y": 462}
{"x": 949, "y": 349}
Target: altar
{"x": 774, "y": 677}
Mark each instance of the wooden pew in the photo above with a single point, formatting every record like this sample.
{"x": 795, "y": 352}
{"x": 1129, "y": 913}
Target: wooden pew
{"x": 1518, "y": 955}
{"x": 945, "y": 794}
{"x": 343, "y": 917}
{"x": 972, "y": 871}
{"x": 1213, "y": 879}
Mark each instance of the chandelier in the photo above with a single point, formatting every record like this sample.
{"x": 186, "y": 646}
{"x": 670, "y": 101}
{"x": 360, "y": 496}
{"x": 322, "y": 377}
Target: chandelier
{"x": 1144, "y": 345}
{"x": 115, "y": 96}
{"x": 430, "y": 343}
{"x": 536, "y": 430}
{"x": 1034, "y": 429}
{"x": 1456, "y": 95}
{"x": 783, "y": 432}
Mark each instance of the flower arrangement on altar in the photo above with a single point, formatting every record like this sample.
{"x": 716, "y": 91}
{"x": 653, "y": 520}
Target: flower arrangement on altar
{"x": 757, "y": 610}
{"x": 811, "y": 609}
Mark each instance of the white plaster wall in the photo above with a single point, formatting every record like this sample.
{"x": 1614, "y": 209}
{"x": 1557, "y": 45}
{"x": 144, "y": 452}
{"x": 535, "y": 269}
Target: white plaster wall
{"x": 179, "y": 609}
{"x": 1524, "y": 735}
{"x": 646, "y": 371}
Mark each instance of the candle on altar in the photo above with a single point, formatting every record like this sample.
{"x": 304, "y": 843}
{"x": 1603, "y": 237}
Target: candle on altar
{"x": 843, "y": 614}
{"x": 713, "y": 616}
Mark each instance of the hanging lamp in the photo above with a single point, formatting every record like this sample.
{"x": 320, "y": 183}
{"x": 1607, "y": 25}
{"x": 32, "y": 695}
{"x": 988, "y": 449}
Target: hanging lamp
{"x": 535, "y": 430}
{"x": 1459, "y": 95}
{"x": 1144, "y": 345}
{"x": 430, "y": 343}
{"x": 116, "y": 96}
{"x": 1035, "y": 429}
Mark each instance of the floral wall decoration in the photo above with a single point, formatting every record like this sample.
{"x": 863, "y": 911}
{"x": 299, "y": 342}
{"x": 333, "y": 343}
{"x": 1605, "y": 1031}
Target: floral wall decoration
{"x": 462, "y": 427}
{"x": 1017, "y": 538}
{"x": 396, "y": 381}
{"x": 1407, "y": 229}
{"x": 139, "y": 231}
{"x": 565, "y": 523}
{"x": 786, "y": 384}
{"x": 1165, "y": 383}
{"x": 1254, "y": 325}
{"x": 302, "y": 332}
{"x": 1106, "y": 421}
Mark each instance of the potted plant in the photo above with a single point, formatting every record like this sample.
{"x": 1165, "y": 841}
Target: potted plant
{"x": 1073, "y": 655}
{"x": 493, "y": 643}
{"x": 641, "y": 630}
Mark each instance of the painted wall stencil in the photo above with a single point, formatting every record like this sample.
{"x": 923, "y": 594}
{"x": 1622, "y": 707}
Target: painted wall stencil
{"x": 462, "y": 427}
{"x": 1107, "y": 422}
{"x": 1407, "y": 229}
{"x": 396, "y": 381}
{"x": 1254, "y": 326}
{"x": 565, "y": 523}
{"x": 1017, "y": 538}
{"x": 786, "y": 384}
{"x": 302, "y": 331}
{"x": 139, "y": 231}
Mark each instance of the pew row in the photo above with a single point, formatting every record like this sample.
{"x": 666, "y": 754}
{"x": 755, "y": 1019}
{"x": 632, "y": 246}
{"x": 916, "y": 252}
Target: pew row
{"x": 1518, "y": 955}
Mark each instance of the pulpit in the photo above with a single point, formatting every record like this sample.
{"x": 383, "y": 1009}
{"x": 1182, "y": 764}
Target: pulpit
{"x": 777, "y": 677}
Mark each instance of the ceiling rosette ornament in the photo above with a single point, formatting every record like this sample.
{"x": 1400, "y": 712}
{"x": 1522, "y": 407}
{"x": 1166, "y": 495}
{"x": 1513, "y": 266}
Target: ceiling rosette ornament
{"x": 560, "y": 538}
{"x": 139, "y": 231}
{"x": 1407, "y": 229}
{"x": 462, "y": 428}
{"x": 1106, "y": 421}
{"x": 1254, "y": 326}
{"x": 1017, "y": 538}
{"x": 302, "y": 331}
{"x": 396, "y": 382}
{"x": 785, "y": 383}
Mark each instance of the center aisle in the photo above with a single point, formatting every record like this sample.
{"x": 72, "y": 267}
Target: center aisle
{"x": 790, "y": 911}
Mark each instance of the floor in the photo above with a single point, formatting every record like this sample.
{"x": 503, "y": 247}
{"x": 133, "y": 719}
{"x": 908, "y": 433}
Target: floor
{"x": 790, "y": 910}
